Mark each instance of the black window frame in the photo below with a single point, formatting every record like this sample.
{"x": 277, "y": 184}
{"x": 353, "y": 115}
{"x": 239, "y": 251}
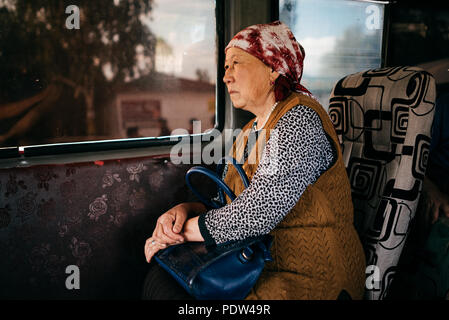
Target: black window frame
{"x": 135, "y": 143}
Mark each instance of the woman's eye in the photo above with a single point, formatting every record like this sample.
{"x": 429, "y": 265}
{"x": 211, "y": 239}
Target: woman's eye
{"x": 233, "y": 63}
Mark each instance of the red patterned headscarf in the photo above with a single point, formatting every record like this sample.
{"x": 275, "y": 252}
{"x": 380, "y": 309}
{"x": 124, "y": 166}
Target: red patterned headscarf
{"x": 275, "y": 45}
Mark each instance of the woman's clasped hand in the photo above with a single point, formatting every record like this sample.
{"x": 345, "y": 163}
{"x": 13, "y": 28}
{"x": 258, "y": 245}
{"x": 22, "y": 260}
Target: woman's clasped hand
{"x": 174, "y": 227}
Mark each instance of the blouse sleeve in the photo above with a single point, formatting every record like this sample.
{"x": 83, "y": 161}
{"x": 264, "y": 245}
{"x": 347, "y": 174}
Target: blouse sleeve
{"x": 296, "y": 154}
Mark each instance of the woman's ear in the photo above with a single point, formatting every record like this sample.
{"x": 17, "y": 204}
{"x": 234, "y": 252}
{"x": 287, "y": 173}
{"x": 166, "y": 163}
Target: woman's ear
{"x": 273, "y": 75}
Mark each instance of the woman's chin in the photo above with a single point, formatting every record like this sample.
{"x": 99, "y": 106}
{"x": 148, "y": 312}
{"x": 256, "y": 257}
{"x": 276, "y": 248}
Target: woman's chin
{"x": 238, "y": 105}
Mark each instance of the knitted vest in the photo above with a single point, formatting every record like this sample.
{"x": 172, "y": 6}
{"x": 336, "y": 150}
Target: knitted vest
{"x": 316, "y": 250}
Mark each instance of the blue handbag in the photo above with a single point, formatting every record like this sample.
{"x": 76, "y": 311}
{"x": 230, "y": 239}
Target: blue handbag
{"x": 225, "y": 271}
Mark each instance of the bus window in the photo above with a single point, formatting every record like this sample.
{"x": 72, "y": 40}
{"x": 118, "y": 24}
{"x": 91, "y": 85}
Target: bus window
{"x": 112, "y": 69}
{"x": 339, "y": 37}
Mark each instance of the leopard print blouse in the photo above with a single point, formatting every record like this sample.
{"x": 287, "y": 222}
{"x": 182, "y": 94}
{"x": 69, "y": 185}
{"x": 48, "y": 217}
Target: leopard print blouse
{"x": 305, "y": 153}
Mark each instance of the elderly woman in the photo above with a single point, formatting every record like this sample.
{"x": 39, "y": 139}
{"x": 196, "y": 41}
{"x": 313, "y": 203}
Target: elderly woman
{"x": 299, "y": 191}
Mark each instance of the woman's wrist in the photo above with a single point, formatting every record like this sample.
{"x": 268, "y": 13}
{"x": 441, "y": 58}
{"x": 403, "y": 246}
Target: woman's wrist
{"x": 191, "y": 230}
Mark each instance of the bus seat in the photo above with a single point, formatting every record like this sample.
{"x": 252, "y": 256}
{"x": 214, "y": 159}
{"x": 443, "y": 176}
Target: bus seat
{"x": 383, "y": 120}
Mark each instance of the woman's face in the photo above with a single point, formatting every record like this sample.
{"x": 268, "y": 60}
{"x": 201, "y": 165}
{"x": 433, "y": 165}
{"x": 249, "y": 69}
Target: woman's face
{"x": 248, "y": 79}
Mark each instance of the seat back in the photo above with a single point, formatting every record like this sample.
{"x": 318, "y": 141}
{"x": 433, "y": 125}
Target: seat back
{"x": 383, "y": 119}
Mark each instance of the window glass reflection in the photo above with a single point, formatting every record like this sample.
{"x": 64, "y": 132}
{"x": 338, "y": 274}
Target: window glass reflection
{"x": 129, "y": 68}
{"x": 422, "y": 31}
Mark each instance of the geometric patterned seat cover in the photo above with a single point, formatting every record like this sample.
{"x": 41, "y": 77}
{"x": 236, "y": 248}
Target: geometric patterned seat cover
{"x": 383, "y": 120}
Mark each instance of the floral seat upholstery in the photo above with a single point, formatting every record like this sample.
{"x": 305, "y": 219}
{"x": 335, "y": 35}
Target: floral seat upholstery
{"x": 92, "y": 215}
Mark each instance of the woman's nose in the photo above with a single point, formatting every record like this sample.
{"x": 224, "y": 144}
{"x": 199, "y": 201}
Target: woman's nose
{"x": 227, "y": 76}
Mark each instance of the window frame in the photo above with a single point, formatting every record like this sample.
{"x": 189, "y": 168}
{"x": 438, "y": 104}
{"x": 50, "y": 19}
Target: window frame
{"x": 21, "y": 152}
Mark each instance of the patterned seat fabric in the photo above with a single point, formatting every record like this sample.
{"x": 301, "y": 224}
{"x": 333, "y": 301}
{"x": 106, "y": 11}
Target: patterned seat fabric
{"x": 383, "y": 119}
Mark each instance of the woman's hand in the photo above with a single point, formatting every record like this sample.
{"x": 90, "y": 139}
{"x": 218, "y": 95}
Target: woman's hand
{"x": 167, "y": 231}
{"x": 151, "y": 247}
{"x": 169, "y": 226}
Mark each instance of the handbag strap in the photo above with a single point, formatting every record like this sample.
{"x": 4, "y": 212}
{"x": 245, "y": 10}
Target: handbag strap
{"x": 241, "y": 172}
{"x": 222, "y": 186}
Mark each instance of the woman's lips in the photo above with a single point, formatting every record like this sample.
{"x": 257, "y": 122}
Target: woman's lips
{"x": 232, "y": 92}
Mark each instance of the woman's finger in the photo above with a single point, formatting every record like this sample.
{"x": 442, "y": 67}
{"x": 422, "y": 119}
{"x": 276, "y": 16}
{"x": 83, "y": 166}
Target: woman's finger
{"x": 168, "y": 225}
{"x": 160, "y": 236}
{"x": 147, "y": 248}
{"x": 155, "y": 242}
{"x": 180, "y": 219}
{"x": 168, "y": 231}
{"x": 152, "y": 247}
